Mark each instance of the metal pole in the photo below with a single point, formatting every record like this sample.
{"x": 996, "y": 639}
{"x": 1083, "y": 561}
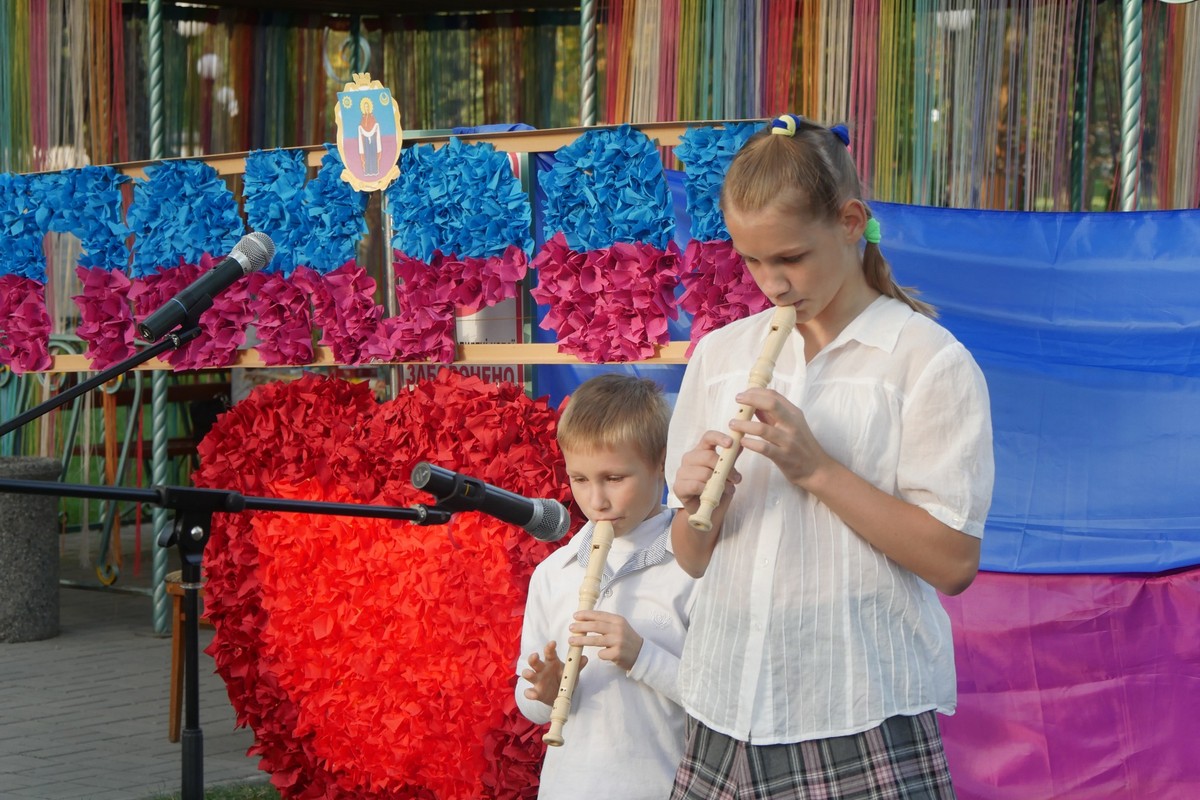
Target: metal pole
{"x": 587, "y": 64}
{"x": 1079, "y": 114}
{"x": 1131, "y": 101}
{"x": 390, "y": 302}
{"x": 158, "y": 383}
{"x": 356, "y": 65}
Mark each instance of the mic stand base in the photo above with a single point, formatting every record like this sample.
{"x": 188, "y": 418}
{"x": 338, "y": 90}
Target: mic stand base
{"x": 193, "y": 523}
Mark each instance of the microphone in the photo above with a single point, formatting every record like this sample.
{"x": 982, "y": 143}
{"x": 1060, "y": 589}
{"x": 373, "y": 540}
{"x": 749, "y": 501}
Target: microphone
{"x": 547, "y": 520}
{"x": 253, "y": 252}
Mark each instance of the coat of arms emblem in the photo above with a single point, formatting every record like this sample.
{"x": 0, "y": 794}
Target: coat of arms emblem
{"x": 369, "y": 134}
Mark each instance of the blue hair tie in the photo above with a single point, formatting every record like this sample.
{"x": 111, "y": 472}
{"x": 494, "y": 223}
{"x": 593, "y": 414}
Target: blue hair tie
{"x": 842, "y": 133}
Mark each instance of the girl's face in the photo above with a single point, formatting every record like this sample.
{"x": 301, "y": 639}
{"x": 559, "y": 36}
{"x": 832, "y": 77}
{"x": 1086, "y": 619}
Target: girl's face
{"x": 812, "y": 265}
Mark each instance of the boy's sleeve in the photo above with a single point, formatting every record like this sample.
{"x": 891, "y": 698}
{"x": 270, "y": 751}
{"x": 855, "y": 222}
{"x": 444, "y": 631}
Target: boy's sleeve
{"x": 533, "y": 640}
{"x": 657, "y": 668}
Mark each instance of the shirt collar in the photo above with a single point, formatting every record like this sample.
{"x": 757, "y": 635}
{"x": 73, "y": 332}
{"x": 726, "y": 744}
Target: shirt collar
{"x": 650, "y": 554}
{"x": 878, "y": 325}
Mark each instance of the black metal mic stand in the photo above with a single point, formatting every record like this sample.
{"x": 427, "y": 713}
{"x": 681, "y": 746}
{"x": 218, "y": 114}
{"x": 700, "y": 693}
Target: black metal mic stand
{"x": 190, "y": 532}
{"x": 172, "y": 341}
{"x": 193, "y": 509}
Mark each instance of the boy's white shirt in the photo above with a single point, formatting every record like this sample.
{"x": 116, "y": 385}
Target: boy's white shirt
{"x": 624, "y": 735}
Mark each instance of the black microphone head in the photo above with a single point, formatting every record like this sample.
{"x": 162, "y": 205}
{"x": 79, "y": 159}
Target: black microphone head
{"x": 422, "y": 474}
{"x": 253, "y": 251}
{"x": 546, "y": 520}
{"x": 550, "y": 521}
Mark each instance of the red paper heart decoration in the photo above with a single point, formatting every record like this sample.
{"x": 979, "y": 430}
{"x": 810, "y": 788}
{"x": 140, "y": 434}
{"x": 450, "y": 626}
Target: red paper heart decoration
{"x": 375, "y": 659}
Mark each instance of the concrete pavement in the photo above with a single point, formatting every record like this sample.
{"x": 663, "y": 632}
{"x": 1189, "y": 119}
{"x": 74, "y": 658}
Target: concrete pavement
{"x": 83, "y": 715}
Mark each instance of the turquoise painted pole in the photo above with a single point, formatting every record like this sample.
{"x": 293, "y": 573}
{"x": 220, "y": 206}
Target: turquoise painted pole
{"x": 587, "y": 62}
{"x": 1131, "y": 102}
{"x": 158, "y": 383}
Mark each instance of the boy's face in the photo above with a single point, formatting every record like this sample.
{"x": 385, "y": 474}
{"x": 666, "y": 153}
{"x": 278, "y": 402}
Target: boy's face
{"x": 615, "y": 485}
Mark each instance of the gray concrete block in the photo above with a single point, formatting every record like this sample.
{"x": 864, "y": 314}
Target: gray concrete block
{"x": 28, "y": 553}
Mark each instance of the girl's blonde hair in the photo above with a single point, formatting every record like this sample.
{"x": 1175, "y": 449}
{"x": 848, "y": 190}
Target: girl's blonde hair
{"x": 614, "y": 412}
{"x": 811, "y": 173}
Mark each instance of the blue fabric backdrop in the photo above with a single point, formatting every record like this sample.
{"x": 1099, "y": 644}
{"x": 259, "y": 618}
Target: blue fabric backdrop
{"x": 1087, "y": 327}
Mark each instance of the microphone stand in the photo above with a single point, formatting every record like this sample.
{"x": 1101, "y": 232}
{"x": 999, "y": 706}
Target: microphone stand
{"x": 172, "y": 341}
{"x": 193, "y": 509}
{"x": 190, "y": 532}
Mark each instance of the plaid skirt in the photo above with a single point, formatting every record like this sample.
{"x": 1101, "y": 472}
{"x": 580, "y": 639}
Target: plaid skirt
{"x": 901, "y": 759}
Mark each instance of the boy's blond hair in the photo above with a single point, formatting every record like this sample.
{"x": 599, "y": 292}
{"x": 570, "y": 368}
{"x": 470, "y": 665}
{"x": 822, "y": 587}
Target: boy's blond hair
{"x": 615, "y": 411}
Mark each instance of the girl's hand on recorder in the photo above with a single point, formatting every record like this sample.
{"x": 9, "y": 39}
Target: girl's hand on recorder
{"x": 696, "y": 467}
{"x": 780, "y": 432}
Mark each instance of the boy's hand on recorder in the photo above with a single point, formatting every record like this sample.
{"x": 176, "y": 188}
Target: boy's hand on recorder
{"x": 618, "y": 641}
{"x": 545, "y": 673}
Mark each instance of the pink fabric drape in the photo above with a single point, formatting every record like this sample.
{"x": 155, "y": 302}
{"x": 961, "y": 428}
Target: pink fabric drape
{"x": 1076, "y": 686}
